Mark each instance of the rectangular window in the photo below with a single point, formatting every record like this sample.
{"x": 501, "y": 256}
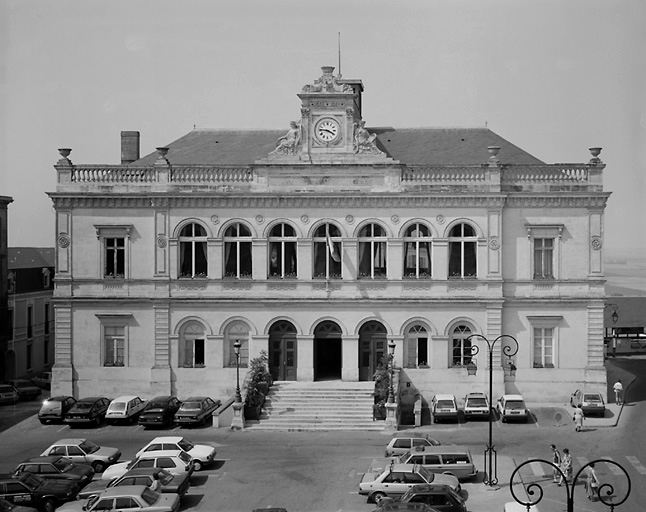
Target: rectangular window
{"x": 30, "y": 322}
{"x": 417, "y": 352}
{"x": 194, "y": 353}
{"x": 46, "y": 350}
{"x": 46, "y": 320}
{"x": 543, "y": 347}
{"x": 29, "y": 355}
{"x": 115, "y": 257}
{"x": 543, "y": 258}
{"x": 114, "y": 342}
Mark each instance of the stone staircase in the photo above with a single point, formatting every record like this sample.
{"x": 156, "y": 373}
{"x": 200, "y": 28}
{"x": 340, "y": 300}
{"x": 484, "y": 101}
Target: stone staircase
{"x": 324, "y": 405}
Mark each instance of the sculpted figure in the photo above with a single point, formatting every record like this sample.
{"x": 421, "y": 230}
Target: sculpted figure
{"x": 364, "y": 141}
{"x": 287, "y": 144}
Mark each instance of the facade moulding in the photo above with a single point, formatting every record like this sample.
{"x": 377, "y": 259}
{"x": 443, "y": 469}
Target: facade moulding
{"x": 537, "y": 200}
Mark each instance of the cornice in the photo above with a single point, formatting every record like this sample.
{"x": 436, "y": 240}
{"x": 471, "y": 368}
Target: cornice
{"x": 596, "y": 200}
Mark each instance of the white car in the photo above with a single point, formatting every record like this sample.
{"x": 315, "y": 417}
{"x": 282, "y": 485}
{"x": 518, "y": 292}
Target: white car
{"x": 126, "y": 497}
{"x": 202, "y": 454}
{"x": 124, "y": 408}
{"x": 512, "y": 408}
{"x": 476, "y": 405}
{"x": 444, "y": 407}
{"x": 84, "y": 451}
{"x": 176, "y": 462}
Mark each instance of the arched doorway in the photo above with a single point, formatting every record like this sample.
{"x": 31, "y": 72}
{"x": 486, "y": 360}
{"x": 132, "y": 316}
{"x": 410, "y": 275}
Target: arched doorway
{"x": 372, "y": 348}
{"x": 327, "y": 351}
{"x": 282, "y": 351}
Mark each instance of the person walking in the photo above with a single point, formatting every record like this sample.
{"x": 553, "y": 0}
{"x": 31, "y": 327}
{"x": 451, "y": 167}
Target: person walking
{"x": 556, "y": 460}
{"x": 566, "y": 467}
{"x": 578, "y": 417}
{"x": 591, "y": 482}
{"x": 619, "y": 390}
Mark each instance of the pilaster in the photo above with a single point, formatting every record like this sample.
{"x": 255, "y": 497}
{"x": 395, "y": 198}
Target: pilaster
{"x": 350, "y": 358}
{"x": 305, "y": 357}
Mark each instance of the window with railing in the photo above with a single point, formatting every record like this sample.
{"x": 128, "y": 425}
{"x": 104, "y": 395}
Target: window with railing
{"x": 461, "y": 354}
{"x": 115, "y": 257}
{"x": 237, "y": 251}
{"x": 543, "y": 342}
{"x": 192, "y": 346}
{"x": 372, "y": 252}
{"x": 417, "y": 347}
{"x": 114, "y": 346}
{"x": 193, "y": 251}
{"x": 417, "y": 252}
{"x": 282, "y": 252}
{"x": 462, "y": 251}
{"x": 543, "y": 258}
{"x": 328, "y": 248}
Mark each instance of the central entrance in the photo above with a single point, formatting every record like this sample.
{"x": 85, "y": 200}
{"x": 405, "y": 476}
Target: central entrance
{"x": 372, "y": 349}
{"x": 282, "y": 351}
{"x": 328, "y": 359}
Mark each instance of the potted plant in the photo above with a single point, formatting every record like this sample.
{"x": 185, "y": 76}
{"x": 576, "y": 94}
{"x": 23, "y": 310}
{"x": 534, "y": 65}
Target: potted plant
{"x": 382, "y": 383}
{"x": 258, "y": 382}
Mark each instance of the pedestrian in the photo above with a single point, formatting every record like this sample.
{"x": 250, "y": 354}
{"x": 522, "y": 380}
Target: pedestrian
{"x": 619, "y": 390}
{"x": 578, "y": 418}
{"x": 556, "y": 460}
{"x": 566, "y": 467}
{"x": 155, "y": 485}
{"x": 591, "y": 482}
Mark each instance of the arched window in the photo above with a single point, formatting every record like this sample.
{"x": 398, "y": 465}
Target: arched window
{"x": 416, "y": 347}
{"x": 461, "y": 347}
{"x": 372, "y": 252}
{"x": 192, "y": 251}
{"x": 237, "y": 251}
{"x": 282, "y": 252}
{"x": 462, "y": 251}
{"x": 327, "y": 252}
{"x": 236, "y": 331}
{"x": 417, "y": 252}
{"x": 191, "y": 346}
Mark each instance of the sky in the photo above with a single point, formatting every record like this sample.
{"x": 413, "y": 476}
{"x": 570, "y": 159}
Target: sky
{"x": 554, "y": 77}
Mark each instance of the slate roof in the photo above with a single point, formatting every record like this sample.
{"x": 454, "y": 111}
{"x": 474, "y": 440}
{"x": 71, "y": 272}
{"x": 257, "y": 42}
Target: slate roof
{"x": 31, "y": 257}
{"x": 421, "y": 146}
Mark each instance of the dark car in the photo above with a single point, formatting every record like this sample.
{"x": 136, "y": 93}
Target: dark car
{"x": 36, "y": 492}
{"x": 159, "y": 411}
{"x": 196, "y": 410}
{"x": 8, "y": 394}
{"x": 7, "y": 506}
{"x": 440, "y": 497}
{"x": 90, "y": 410}
{"x": 27, "y": 390}
{"x": 56, "y": 467}
{"x": 178, "y": 484}
{"x": 55, "y": 408}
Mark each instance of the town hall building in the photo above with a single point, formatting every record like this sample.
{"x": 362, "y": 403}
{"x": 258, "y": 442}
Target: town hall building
{"x": 321, "y": 243}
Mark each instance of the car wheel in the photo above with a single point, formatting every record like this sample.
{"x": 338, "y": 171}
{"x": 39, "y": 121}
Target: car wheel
{"x": 378, "y": 497}
{"x": 97, "y": 421}
{"x": 48, "y": 505}
{"x": 197, "y": 465}
{"x": 503, "y": 419}
{"x": 43, "y": 422}
{"x": 98, "y": 466}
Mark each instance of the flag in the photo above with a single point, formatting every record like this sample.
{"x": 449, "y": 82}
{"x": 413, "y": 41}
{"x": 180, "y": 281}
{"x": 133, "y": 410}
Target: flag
{"x": 333, "y": 252}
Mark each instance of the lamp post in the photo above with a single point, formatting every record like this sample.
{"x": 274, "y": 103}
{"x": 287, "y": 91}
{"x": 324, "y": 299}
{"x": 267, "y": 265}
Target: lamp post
{"x": 391, "y": 358}
{"x": 490, "y": 455}
{"x": 609, "y": 491}
{"x": 236, "y": 347}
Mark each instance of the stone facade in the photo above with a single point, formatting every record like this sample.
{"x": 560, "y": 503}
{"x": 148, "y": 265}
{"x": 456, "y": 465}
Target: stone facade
{"x": 321, "y": 252}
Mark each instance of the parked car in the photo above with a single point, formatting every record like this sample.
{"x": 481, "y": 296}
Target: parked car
{"x": 55, "y": 408}
{"x": 176, "y": 462}
{"x": 8, "y": 394}
{"x": 439, "y": 498}
{"x": 90, "y": 410}
{"x": 127, "y": 497}
{"x": 196, "y": 410}
{"x": 444, "y": 407}
{"x": 476, "y": 405}
{"x": 448, "y": 459}
{"x": 178, "y": 484}
{"x": 591, "y": 403}
{"x": 36, "y": 492}
{"x": 85, "y": 452}
{"x": 43, "y": 380}
{"x": 124, "y": 408}
{"x": 202, "y": 454}
{"x": 401, "y": 442}
{"x": 512, "y": 408}
{"x": 26, "y": 389}
{"x": 398, "y": 506}
{"x": 396, "y": 479}
{"x": 58, "y": 468}
{"x": 159, "y": 412}
{"x": 7, "y": 506}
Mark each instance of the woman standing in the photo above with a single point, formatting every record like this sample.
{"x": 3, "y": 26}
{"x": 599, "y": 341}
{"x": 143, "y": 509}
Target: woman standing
{"x": 556, "y": 460}
{"x": 566, "y": 467}
{"x": 591, "y": 482}
{"x": 578, "y": 418}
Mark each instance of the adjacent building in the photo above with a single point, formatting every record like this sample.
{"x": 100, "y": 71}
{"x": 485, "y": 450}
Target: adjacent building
{"x": 5, "y": 331}
{"x": 321, "y": 244}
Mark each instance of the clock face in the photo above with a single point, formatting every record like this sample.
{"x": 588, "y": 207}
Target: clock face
{"x": 327, "y": 130}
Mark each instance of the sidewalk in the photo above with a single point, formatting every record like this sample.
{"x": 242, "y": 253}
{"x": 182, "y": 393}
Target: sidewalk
{"x": 483, "y": 498}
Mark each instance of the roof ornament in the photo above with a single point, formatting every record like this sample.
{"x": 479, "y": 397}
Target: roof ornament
{"x": 364, "y": 141}
{"x": 328, "y": 83}
{"x": 289, "y": 144}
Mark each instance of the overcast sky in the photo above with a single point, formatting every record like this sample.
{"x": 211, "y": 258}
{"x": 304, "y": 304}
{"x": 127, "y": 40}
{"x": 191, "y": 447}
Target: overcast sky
{"x": 554, "y": 77}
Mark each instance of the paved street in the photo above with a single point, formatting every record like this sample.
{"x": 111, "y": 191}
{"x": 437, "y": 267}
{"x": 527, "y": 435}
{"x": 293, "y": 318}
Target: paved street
{"x": 321, "y": 471}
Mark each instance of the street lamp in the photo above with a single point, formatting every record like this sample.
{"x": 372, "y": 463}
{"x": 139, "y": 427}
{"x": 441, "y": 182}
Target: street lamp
{"x": 236, "y": 347}
{"x": 391, "y": 357}
{"x": 490, "y": 456}
{"x": 606, "y": 492}
{"x": 615, "y": 315}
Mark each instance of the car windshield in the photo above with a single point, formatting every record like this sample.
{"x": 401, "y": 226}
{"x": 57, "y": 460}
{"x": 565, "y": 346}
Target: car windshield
{"x": 591, "y": 398}
{"x": 156, "y": 406}
{"x": 63, "y": 466}
{"x": 83, "y": 406}
{"x": 150, "y": 496}
{"x": 428, "y": 476}
{"x": 185, "y": 445}
{"x": 445, "y": 403}
{"x": 32, "y": 480}
{"x": 23, "y": 384}
{"x": 514, "y": 404}
{"x": 6, "y": 389}
{"x": 185, "y": 457}
{"x": 477, "y": 402}
{"x": 51, "y": 405}
{"x": 191, "y": 406}
{"x": 119, "y": 406}
{"x": 88, "y": 446}
{"x": 165, "y": 477}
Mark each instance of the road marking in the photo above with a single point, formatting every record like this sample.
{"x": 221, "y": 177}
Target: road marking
{"x": 537, "y": 469}
{"x": 615, "y": 469}
{"x": 638, "y": 465}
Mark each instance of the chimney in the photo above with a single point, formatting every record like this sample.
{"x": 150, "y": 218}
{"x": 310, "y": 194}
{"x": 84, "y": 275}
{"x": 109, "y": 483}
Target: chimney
{"x": 129, "y": 147}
